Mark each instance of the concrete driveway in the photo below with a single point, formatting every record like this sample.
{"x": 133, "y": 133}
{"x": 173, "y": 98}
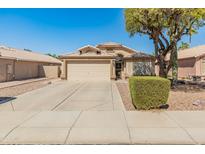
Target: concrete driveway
{"x": 68, "y": 95}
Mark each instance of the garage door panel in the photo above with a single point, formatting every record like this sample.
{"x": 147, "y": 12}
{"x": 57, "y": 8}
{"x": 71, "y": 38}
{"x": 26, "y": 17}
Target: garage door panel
{"x": 87, "y": 70}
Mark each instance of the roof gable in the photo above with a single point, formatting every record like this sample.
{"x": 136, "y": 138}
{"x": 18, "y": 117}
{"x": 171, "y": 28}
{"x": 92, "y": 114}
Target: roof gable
{"x": 88, "y": 47}
{"x": 115, "y": 46}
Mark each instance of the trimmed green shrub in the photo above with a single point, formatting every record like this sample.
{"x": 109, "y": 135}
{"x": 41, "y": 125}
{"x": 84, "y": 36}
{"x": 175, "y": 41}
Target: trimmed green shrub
{"x": 149, "y": 92}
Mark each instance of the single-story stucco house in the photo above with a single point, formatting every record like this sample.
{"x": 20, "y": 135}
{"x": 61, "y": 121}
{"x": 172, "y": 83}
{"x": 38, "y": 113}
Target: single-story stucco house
{"x": 18, "y": 64}
{"x": 191, "y": 62}
{"x": 105, "y": 62}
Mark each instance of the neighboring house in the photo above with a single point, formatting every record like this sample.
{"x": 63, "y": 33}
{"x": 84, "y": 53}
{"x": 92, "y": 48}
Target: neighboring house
{"x": 23, "y": 64}
{"x": 191, "y": 62}
{"x": 106, "y": 61}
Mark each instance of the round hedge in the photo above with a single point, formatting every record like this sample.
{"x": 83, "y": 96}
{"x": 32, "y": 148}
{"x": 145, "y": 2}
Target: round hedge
{"x": 149, "y": 92}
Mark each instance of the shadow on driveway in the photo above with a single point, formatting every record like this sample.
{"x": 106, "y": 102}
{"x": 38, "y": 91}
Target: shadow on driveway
{"x": 6, "y": 99}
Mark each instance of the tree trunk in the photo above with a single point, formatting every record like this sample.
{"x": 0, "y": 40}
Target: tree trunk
{"x": 162, "y": 72}
{"x": 162, "y": 69}
{"x": 160, "y": 60}
{"x": 174, "y": 61}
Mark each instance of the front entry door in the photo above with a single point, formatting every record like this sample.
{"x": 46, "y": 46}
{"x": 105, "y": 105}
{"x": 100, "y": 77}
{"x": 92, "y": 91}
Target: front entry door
{"x": 118, "y": 69}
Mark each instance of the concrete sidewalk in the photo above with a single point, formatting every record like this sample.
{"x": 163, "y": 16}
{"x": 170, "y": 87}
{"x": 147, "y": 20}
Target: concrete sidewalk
{"x": 102, "y": 127}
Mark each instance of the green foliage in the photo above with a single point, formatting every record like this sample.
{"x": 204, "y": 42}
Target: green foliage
{"x": 183, "y": 46}
{"x": 52, "y": 55}
{"x": 169, "y": 20}
{"x": 166, "y": 27}
{"x": 149, "y": 92}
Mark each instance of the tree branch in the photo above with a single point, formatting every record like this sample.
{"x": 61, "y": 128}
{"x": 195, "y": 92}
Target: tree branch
{"x": 164, "y": 38}
{"x": 161, "y": 44}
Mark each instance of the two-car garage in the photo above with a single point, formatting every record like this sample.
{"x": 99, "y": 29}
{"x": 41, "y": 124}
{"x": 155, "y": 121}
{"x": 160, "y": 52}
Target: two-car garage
{"x": 88, "y": 70}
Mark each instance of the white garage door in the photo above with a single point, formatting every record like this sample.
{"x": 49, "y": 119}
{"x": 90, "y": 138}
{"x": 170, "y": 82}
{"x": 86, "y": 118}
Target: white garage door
{"x": 88, "y": 70}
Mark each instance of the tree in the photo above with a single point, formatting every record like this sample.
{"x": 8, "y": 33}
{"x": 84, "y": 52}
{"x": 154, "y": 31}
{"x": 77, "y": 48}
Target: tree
{"x": 166, "y": 27}
{"x": 183, "y": 46}
{"x": 52, "y": 55}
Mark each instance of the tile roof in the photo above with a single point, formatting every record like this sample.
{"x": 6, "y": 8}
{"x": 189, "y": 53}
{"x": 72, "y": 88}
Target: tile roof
{"x": 190, "y": 52}
{"x": 11, "y": 53}
{"x": 117, "y": 47}
{"x": 88, "y": 54}
{"x": 141, "y": 55}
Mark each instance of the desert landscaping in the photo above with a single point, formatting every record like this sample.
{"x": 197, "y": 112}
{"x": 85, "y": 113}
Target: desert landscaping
{"x": 182, "y": 98}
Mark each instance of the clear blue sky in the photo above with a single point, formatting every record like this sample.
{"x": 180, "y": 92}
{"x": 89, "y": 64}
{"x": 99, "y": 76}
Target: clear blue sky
{"x": 64, "y": 30}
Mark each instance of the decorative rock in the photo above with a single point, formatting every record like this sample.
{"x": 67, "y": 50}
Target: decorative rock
{"x": 202, "y": 102}
{"x": 199, "y": 102}
{"x": 196, "y": 103}
{"x": 164, "y": 106}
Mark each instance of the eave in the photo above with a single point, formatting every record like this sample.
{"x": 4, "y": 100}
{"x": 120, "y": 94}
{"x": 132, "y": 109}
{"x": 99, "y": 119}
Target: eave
{"x": 86, "y": 57}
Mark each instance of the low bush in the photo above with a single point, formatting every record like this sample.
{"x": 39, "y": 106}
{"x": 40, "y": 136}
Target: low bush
{"x": 149, "y": 92}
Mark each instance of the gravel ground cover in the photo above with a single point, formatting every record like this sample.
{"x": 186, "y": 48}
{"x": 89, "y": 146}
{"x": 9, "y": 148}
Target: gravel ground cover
{"x": 125, "y": 95}
{"x": 181, "y": 98}
{"x": 23, "y": 88}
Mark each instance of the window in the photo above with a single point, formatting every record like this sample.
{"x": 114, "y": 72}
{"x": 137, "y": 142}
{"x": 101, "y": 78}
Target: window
{"x": 98, "y": 52}
{"x": 142, "y": 68}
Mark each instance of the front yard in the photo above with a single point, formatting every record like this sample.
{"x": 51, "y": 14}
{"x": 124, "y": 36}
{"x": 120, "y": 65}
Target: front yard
{"x": 179, "y": 99}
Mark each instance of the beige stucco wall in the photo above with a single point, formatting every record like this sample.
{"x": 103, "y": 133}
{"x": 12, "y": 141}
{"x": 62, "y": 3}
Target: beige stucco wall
{"x": 186, "y": 68}
{"x": 128, "y": 68}
{"x": 6, "y": 70}
{"x": 24, "y": 70}
{"x": 64, "y": 70}
{"x": 49, "y": 71}
{"x": 17, "y": 70}
{"x": 122, "y": 52}
{"x": 156, "y": 70}
{"x": 200, "y": 66}
{"x": 203, "y": 66}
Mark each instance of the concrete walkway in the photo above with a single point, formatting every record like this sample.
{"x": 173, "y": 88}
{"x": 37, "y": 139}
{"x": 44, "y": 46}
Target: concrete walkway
{"x": 102, "y": 127}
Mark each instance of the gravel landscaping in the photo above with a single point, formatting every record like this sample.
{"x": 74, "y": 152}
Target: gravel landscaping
{"x": 125, "y": 95}
{"x": 181, "y": 98}
{"x": 23, "y": 88}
